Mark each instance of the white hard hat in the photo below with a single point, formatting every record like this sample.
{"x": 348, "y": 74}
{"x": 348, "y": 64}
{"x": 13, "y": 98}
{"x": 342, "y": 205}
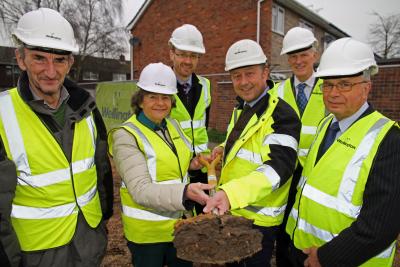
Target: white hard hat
{"x": 158, "y": 78}
{"x": 46, "y": 28}
{"x": 346, "y": 57}
{"x": 296, "y": 39}
{"x": 188, "y": 38}
{"x": 244, "y": 53}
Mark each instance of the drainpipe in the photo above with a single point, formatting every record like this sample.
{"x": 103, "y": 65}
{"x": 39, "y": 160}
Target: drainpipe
{"x": 258, "y": 19}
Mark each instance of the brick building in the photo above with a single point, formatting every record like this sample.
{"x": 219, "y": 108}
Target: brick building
{"x": 222, "y": 23}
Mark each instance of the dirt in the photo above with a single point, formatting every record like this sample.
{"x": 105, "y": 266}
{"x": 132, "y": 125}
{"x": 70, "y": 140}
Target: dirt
{"x": 216, "y": 239}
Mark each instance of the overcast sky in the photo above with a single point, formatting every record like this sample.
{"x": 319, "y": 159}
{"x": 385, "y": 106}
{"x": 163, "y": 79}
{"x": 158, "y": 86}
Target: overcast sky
{"x": 351, "y": 16}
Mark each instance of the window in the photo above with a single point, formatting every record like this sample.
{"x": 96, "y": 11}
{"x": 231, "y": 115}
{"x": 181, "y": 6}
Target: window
{"x": 119, "y": 77}
{"x": 278, "y": 19}
{"x": 306, "y": 25}
{"x": 90, "y": 75}
{"x": 327, "y": 40}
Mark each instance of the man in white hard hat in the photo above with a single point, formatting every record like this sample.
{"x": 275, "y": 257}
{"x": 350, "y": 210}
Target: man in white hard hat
{"x": 347, "y": 209}
{"x": 302, "y": 92}
{"x": 259, "y": 154}
{"x": 193, "y": 99}
{"x": 55, "y": 162}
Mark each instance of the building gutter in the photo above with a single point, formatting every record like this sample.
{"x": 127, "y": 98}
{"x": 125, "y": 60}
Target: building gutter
{"x": 258, "y": 19}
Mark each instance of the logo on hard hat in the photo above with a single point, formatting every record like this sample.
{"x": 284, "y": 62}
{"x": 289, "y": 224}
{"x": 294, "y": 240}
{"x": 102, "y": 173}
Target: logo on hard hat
{"x": 240, "y": 51}
{"x": 53, "y": 37}
{"x": 159, "y": 84}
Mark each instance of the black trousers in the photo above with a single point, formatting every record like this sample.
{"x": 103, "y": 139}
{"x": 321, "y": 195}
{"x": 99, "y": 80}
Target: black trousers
{"x": 283, "y": 239}
{"x": 263, "y": 257}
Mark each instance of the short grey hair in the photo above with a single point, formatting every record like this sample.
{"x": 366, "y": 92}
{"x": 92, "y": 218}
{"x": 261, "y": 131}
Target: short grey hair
{"x": 367, "y": 74}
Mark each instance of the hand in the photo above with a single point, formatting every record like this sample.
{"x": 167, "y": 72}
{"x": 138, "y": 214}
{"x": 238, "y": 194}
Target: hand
{"x": 196, "y": 193}
{"x": 312, "y": 259}
{"x": 195, "y": 164}
{"x": 218, "y": 150}
{"x": 219, "y": 201}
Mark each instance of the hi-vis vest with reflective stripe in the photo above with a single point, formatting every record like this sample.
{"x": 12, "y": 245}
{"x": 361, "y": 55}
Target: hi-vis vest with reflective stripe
{"x": 50, "y": 190}
{"x": 145, "y": 225}
{"x": 195, "y": 128}
{"x": 312, "y": 116}
{"x": 330, "y": 193}
{"x": 261, "y": 197}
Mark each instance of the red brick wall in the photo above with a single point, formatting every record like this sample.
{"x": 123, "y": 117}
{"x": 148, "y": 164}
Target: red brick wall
{"x": 385, "y": 95}
{"x": 221, "y": 22}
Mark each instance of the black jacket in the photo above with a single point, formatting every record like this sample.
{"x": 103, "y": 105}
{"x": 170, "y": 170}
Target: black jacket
{"x": 79, "y": 105}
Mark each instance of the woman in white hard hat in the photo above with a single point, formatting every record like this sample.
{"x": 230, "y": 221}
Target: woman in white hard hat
{"x": 153, "y": 155}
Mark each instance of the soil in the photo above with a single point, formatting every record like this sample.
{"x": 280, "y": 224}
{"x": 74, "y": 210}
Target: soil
{"x": 216, "y": 239}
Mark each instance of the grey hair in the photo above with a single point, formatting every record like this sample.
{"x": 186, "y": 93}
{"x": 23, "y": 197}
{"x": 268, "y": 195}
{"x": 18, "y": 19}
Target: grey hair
{"x": 367, "y": 74}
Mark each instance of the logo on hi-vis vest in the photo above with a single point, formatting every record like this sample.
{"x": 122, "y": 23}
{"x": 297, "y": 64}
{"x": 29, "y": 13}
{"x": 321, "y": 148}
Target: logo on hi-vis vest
{"x": 345, "y": 142}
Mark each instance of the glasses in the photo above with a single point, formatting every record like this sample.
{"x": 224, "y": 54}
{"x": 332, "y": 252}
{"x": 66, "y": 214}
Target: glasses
{"x": 185, "y": 55}
{"x": 341, "y": 86}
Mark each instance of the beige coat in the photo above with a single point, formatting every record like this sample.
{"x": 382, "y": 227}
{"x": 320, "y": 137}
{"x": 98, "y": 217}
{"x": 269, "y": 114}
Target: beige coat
{"x": 132, "y": 166}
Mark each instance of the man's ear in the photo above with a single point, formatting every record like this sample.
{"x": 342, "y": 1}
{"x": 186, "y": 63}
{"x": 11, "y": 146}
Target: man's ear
{"x": 20, "y": 60}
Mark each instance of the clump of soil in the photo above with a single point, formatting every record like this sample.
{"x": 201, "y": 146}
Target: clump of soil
{"x": 216, "y": 239}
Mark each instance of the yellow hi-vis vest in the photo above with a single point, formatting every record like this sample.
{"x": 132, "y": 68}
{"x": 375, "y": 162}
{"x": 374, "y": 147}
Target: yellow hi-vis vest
{"x": 244, "y": 173}
{"x": 50, "y": 190}
{"x": 145, "y": 225}
{"x": 312, "y": 116}
{"x": 330, "y": 192}
{"x": 195, "y": 128}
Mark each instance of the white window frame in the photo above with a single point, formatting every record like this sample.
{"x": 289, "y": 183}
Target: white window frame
{"x": 90, "y": 76}
{"x": 278, "y": 19}
{"x": 119, "y": 77}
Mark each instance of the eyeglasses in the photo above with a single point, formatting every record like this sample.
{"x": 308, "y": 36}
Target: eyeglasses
{"x": 184, "y": 55}
{"x": 341, "y": 86}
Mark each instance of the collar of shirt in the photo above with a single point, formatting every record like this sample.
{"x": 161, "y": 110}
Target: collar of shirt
{"x": 189, "y": 81}
{"x": 309, "y": 85}
{"x": 64, "y": 96}
{"x": 347, "y": 122}
{"x": 252, "y": 103}
{"x": 150, "y": 124}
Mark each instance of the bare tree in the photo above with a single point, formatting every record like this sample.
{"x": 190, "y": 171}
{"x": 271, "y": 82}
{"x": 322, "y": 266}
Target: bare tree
{"x": 384, "y": 35}
{"x": 96, "y": 24}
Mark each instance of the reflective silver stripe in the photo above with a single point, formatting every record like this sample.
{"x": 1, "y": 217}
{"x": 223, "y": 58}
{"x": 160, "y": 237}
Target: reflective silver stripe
{"x": 150, "y": 216}
{"x": 303, "y": 152}
{"x": 87, "y": 197}
{"x": 204, "y": 85}
{"x": 280, "y": 90}
{"x": 55, "y": 177}
{"x": 92, "y": 127}
{"x": 342, "y": 202}
{"x": 308, "y": 129}
{"x": 18, "y": 153}
{"x": 271, "y": 174}
{"x": 387, "y": 252}
{"x": 329, "y": 201}
{"x": 267, "y": 211}
{"x": 148, "y": 150}
{"x": 175, "y": 181}
{"x": 302, "y": 181}
{"x": 14, "y": 136}
{"x": 196, "y": 124}
{"x": 351, "y": 174}
{"x": 181, "y": 134}
{"x": 23, "y": 212}
{"x": 327, "y": 236}
{"x": 282, "y": 140}
{"x": 311, "y": 229}
{"x": 249, "y": 156}
{"x": 200, "y": 148}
